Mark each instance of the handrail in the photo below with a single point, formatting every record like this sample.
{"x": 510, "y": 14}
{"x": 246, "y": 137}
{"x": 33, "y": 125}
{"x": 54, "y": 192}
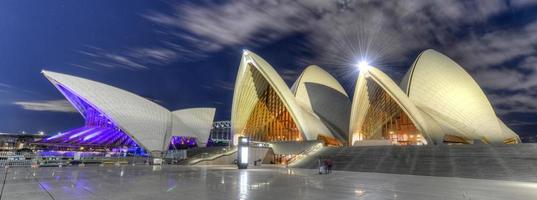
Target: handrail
{"x": 304, "y": 153}
{"x": 9, "y": 160}
{"x": 194, "y": 161}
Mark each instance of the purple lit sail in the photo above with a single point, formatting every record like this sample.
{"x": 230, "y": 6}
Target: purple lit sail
{"x": 98, "y": 130}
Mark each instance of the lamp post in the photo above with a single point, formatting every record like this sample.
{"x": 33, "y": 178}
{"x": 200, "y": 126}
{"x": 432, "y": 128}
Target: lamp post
{"x": 242, "y": 154}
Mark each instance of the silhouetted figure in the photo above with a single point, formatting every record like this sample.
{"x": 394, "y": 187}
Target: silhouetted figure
{"x": 324, "y": 166}
{"x": 329, "y": 166}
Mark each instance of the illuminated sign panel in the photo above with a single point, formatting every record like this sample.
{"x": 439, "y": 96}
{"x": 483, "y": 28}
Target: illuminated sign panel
{"x": 242, "y": 154}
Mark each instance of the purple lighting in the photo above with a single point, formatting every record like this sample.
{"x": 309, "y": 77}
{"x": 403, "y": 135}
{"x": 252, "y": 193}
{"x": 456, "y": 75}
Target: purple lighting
{"x": 81, "y": 133}
{"x": 93, "y": 135}
{"x": 181, "y": 142}
{"x": 98, "y": 130}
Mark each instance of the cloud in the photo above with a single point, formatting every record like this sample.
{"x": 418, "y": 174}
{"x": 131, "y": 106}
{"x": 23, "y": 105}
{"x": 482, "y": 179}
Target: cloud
{"x": 123, "y": 61}
{"x": 47, "y": 105}
{"x": 224, "y": 85}
{"x": 11, "y": 89}
{"x": 134, "y": 59}
{"x": 516, "y": 103}
{"x": 521, "y": 123}
{"x": 529, "y": 63}
{"x": 500, "y": 57}
{"x": 82, "y": 66}
{"x": 504, "y": 79}
{"x": 497, "y": 47}
{"x": 384, "y": 24}
{"x": 521, "y": 3}
{"x": 289, "y": 75}
{"x": 5, "y": 86}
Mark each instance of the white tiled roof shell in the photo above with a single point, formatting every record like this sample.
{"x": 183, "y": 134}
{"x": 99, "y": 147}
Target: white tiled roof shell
{"x": 325, "y": 97}
{"x": 314, "y": 74}
{"x": 361, "y": 103}
{"x": 146, "y": 122}
{"x": 198, "y": 120}
{"x": 435, "y": 83}
{"x": 249, "y": 84}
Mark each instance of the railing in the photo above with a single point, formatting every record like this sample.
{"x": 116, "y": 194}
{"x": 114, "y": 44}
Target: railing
{"x": 209, "y": 156}
{"x": 304, "y": 153}
{"x": 15, "y": 163}
{"x": 14, "y": 159}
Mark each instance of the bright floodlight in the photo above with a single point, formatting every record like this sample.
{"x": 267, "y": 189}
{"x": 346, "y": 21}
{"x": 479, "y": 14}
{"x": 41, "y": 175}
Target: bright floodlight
{"x": 363, "y": 65}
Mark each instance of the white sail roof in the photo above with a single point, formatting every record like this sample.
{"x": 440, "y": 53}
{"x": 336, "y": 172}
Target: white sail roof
{"x": 148, "y": 123}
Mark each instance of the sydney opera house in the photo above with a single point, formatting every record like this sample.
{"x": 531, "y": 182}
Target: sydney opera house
{"x": 437, "y": 102}
{"x": 117, "y": 118}
{"x": 265, "y": 109}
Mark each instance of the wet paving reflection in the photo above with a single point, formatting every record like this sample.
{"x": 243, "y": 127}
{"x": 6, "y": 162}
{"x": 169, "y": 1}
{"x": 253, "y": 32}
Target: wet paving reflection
{"x": 227, "y": 182}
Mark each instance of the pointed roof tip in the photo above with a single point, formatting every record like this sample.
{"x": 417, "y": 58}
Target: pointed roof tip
{"x": 245, "y": 52}
{"x": 430, "y": 51}
{"x": 48, "y": 73}
{"x": 433, "y": 52}
{"x": 313, "y": 67}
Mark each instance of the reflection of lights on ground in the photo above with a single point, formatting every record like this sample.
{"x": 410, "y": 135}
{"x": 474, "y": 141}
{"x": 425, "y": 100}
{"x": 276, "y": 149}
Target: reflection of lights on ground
{"x": 171, "y": 188}
{"x": 290, "y": 171}
{"x": 243, "y": 185}
{"x": 359, "y": 192}
{"x": 258, "y": 185}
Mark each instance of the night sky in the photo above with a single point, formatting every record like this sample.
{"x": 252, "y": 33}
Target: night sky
{"x": 186, "y": 54}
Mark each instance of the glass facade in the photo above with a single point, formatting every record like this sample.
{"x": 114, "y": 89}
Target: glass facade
{"x": 270, "y": 120}
{"x": 386, "y": 120}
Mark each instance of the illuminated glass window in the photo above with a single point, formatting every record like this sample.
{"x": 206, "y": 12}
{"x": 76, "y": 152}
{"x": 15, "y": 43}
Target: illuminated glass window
{"x": 270, "y": 120}
{"x": 386, "y": 120}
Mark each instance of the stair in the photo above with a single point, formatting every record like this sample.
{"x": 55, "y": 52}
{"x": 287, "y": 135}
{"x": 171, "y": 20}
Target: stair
{"x": 502, "y": 162}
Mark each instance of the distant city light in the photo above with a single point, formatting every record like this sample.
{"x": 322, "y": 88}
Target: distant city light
{"x": 41, "y": 133}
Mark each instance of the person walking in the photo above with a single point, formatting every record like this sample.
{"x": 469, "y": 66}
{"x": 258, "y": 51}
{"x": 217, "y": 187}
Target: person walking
{"x": 320, "y": 165}
{"x": 325, "y": 166}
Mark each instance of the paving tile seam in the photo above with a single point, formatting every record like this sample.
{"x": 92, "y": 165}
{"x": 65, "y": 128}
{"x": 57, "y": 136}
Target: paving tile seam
{"x": 40, "y": 185}
{"x": 4, "y": 183}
